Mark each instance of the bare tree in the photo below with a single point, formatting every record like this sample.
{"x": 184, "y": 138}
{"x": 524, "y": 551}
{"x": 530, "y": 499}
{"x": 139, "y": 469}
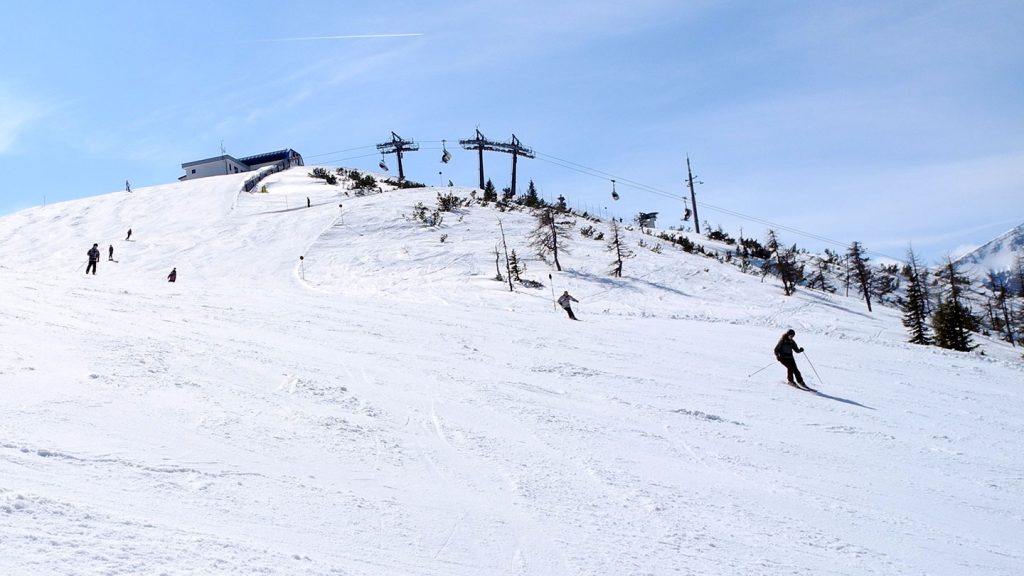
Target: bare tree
{"x": 859, "y": 264}
{"x": 618, "y": 248}
{"x": 549, "y": 237}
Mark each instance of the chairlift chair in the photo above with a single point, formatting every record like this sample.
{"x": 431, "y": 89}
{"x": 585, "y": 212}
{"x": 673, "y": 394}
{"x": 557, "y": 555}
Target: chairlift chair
{"x": 446, "y": 155}
{"x": 615, "y": 195}
{"x": 382, "y": 165}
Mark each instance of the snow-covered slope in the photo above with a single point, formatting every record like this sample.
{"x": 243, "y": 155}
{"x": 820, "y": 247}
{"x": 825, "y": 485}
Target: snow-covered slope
{"x": 384, "y": 407}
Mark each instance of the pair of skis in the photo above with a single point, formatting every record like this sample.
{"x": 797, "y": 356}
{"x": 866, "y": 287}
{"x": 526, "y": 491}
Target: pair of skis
{"x": 803, "y": 387}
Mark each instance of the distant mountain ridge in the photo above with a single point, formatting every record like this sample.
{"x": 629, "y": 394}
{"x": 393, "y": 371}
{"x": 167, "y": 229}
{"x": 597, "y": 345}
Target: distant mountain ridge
{"x": 999, "y": 255}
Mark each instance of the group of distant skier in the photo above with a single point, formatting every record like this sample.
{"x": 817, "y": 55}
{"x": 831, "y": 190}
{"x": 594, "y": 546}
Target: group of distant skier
{"x": 94, "y": 258}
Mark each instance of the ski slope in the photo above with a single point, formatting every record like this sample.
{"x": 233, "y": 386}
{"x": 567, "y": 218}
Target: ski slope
{"x": 385, "y": 407}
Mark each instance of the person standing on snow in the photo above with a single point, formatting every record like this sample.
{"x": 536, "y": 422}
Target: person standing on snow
{"x": 173, "y": 275}
{"x": 110, "y": 253}
{"x": 564, "y": 301}
{"x": 129, "y": 236}
{"x": 784, "y": 354}
{"x": 94, "y": 257}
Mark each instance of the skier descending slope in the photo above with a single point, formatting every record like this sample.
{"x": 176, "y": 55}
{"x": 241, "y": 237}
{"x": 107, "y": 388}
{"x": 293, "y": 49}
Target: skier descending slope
{"x": 94, "y": 257}
{"x": 784, "y": 354}
{"x": 565, "y": 301}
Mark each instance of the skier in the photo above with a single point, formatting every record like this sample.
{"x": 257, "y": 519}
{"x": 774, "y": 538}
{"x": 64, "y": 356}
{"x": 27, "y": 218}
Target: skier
{"x": 564, "y": 301}
{"x": 784, "y": 354}
{"x": 173, "y": 275}
{"x": 127, "y": 186}
{"x": 110, "y": 253}
{"x": 94, "y": 257}
{"x": 129, "y": 237}
{"x": 307, "y": 202}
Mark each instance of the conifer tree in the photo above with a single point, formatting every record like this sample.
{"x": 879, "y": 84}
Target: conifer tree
{"x": 490, "y": 194}
{"x": 1019, "y": 273}
{"x": 618, "y": 248}
{"x": 819, "y": 278}
{"x": 549, "y": 237}
{"x": 515, "y": 266}
{"x": 915, "y": 309}
{"x": 530, "y": 198}
{"x": 999, "y": 314}
{"x": 953, "y": 321}
{"x": 785, "y": 264}
{"x": 859, "y": 264}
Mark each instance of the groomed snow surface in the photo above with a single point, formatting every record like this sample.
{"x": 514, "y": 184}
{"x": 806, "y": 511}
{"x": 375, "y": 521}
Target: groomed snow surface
{"x": 384, "y": 407}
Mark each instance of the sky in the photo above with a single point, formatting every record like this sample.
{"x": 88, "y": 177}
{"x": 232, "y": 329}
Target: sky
{"x": 887, "y": 123}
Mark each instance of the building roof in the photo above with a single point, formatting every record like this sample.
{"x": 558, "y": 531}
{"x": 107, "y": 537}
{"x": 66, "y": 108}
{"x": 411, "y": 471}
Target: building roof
{"x": 214, "y": 159}
{"x": 269, "y": 157}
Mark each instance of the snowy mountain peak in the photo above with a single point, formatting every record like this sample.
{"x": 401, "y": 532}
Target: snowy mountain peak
{"x": 999, "y": 255}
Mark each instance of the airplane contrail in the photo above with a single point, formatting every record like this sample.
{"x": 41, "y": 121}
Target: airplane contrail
{"x": 345, "y": 37}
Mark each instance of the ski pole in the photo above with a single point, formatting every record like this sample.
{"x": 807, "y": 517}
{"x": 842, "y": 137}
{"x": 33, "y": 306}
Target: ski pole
{"x": 553, "y": 301}
{"x": 755, "y": 372}
{"x": 813, "y": 368}
{"x": 80, "y": 267}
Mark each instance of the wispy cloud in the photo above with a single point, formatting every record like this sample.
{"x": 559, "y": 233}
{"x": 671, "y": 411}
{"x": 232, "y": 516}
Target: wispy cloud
{"x": 16, "y": 112}
{"x": 340, "y": 37}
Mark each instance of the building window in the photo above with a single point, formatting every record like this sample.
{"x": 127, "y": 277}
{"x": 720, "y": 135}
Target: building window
{"x": 193, "y": 170}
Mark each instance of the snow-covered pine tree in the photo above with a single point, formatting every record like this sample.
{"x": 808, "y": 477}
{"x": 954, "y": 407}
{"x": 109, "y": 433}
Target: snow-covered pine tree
{"x": 915, "y": 308}
{"x": 618, "y": 248}
{"x": 858, "y": 262}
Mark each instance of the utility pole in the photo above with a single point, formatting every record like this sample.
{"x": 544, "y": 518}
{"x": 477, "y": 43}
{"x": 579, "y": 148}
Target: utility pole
{"x": 693, "y": 196}
{"x": 515, "y": 148}
{"x": 398, "y": 146}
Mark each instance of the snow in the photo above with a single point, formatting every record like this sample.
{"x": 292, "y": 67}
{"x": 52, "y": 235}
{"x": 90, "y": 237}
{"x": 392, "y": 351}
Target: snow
{"x": 999, "y": 255}
{"x": 383, "y": 406}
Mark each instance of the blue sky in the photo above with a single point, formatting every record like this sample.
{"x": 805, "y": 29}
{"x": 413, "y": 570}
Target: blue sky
{"x": 882, "y": 122}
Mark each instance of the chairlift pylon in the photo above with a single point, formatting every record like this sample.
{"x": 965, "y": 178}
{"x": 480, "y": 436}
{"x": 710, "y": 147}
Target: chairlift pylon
{"x": 615, "y": 195}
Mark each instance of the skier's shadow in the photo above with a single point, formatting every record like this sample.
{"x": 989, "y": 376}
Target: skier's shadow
{"x": 843, "y": 400}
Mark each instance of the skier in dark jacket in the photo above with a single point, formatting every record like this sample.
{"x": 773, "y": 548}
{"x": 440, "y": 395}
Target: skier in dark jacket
{"x": 784, "y": 354}
{"x": 129, "y": 236}
{"x": 173, "y": 275}
{"x": 110, "y": 253}
{"x": 94, "y": 257}
{"x": 564, "y": 301}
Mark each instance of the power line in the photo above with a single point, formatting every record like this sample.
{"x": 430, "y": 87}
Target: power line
{"x": 630, "y": 183}
{"x": 658, "y": 192}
